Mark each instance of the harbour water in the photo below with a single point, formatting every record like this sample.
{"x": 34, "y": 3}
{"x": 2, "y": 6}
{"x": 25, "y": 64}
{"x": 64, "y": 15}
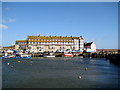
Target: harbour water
{"x": 59, "y": 72}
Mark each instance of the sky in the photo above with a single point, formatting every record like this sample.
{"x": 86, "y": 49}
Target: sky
{"x": 94, "y": 21}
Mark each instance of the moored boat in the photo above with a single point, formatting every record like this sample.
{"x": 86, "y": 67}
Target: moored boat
{"x": 17, "y": 56}
{"x": 68, "y": 55}
{"x": 25, "y": 56}
{"x": 9, "y": 56}
{"x": 49, "y": 55}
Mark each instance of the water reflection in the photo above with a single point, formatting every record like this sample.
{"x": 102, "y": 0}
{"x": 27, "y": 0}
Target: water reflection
{"x": 92, "y": 61}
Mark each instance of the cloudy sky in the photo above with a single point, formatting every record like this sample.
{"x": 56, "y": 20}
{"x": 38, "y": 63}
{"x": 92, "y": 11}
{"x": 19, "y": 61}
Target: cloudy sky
{"x": 96, "y": 22}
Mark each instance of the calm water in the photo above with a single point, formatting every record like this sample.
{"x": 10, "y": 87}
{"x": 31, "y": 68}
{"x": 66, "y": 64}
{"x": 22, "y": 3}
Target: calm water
{"x": 59, "y": 72}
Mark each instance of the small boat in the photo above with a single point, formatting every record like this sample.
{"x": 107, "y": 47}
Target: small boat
{"x": 49, "y": 55}
{"x": 17, "y": 56}
{"x": 25, "y": 56}
{"x": 9, "y": 56}
{"x": 68, "y": 55}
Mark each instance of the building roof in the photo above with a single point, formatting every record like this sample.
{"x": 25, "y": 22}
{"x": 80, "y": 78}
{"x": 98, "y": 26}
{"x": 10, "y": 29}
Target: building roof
{"x": 49, "y": 41}
{"x": 88, "y": 44}
{"x": 21, "y": 40}
{"x": 53, "y": 37}
{"x": 9, "y": 47}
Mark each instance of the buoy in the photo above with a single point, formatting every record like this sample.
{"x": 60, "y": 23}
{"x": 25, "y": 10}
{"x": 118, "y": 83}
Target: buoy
{"x": 8, "y": 63}
{"x": 86, "y": 68}
{"x": 18, "y": 61}
{"x": 79, "y": 77}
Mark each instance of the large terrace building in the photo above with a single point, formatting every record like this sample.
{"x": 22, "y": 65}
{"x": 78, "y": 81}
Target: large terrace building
{"x": 50, "y": 43}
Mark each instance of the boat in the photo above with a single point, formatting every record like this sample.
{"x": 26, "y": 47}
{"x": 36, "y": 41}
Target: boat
{"x": 9, "y": 56}
{"x": 49, "y": 55}
{"x": 68, "y": 55}
{"x": 17, "y": 56}
{"x": 25, "y": 56}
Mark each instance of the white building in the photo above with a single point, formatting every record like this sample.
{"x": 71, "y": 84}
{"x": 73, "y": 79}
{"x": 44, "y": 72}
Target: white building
{"x": 90, "y": 47}
{"x": 50, "y": 43}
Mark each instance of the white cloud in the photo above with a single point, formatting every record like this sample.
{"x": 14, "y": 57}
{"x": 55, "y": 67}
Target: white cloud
{"x": 3, "y": 26}
{"x": 11, "y": 20}
{"x": 3, "y": 21}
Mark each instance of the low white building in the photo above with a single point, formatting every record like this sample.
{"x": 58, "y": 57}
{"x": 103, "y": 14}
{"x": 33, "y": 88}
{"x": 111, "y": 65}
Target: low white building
{"x": 90, "y": 47}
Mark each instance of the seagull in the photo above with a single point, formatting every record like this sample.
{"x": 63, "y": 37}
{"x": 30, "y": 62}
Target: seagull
{"x": 79, "y": 77}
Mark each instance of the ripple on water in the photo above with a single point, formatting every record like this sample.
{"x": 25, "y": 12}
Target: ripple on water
{"x": 59, "y": 73}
